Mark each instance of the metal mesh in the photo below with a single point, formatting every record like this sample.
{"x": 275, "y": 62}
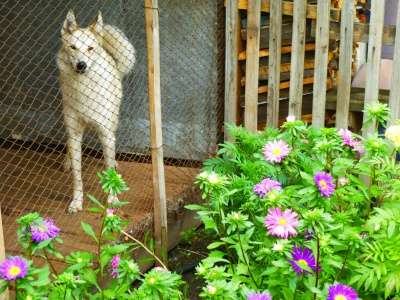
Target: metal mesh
{"x": 33, "y": 135}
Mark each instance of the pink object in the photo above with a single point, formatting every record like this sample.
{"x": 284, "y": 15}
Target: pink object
{"x": 385, "y": 78}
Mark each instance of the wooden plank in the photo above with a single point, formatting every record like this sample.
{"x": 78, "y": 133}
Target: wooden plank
{"x": 321, "y": 64}
{"x": 154, "y": 92}
{"x": 345, "y": 64}
{"x": 5, "y": 294}
{"x": 288, "y": 7}
{"x": 285, "y": 85}
{"x": 374, "y": 57}
{"x": 394, "y": 98}
{"x": 252, "y": 50}
{"x": 274, "y": 63}
{"x": 231, "y": 64}
{"x": 297, "y": 62}
{"x": 284, "y": 50}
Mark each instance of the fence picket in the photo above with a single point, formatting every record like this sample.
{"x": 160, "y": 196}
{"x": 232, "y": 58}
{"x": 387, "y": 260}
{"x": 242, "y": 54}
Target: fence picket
{"x": 252, "y": 62}
{"x": 274, "y": 63}
{"x": 345, "y": 64}
{"x": 231, "y": 63}
{"x": 374, "y": 56}
{"x": 297, "y": 58}
{"x": 394, "y": 99}
{"x": 321, "y": 63}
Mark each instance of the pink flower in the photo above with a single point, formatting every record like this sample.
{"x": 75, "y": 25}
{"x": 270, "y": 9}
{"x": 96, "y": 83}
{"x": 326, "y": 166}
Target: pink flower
{"x": 346, "y": 137}
{"x": 324, "y": 182}
{"x": 275, "y": 151}
{"x": 265, "y": 186}
{"x": 281, "y": 224}
{"x": 290, "y": 118}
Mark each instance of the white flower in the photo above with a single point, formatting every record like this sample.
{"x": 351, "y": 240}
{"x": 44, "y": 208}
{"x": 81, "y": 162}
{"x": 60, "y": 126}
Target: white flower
{"x": 290, "y": 118}
{"x": 211, "y": 289}
{"x": 343, "y": 181}
{"x": 213, "y": 178}
{"x": 393, "y": 135}
{"x": 278, "y": 246}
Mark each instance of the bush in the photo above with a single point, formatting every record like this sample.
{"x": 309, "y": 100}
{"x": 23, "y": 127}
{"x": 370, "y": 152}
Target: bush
{"x": 109, "y": 273}
{"x": 303, "y": 213}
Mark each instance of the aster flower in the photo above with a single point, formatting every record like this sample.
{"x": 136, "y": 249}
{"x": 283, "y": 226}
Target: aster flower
{"x": 281, "y": 224}
{"x": 266, "y": 186}
{"x": 343, "y": 181}
{"x": 308, "y": 235}
{"x": 324, "y": 182}
{"x": 110, "y": 212}
{"x": 43, "y": 230}
{"x": 259, "y": 296}
{"x": 114, "y": 266}
{"x": 341, "y": 292}
{"x": 303, "y": 260}
{"x": 358, "y": 147}
{"x": 346, "y": 137}
{"x": 13, "y": 268}
{"x": 290, "y": 118}
{"x": 393, "y": 134}
{"x": 275, "y": 151}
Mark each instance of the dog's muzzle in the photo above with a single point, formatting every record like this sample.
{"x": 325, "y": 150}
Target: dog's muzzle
{"x": 81, "y": 67}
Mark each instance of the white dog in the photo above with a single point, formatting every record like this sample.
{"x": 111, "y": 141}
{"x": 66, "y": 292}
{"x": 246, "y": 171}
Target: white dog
{"x": 92, "y": 62}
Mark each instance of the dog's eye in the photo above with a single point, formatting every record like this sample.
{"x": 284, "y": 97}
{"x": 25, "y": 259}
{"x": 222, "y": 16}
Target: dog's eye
{"x": 90, "y": 48}
{"x": 73, "y": 47}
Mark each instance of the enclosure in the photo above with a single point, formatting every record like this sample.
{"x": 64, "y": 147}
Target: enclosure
{"x": 32, "y": 132}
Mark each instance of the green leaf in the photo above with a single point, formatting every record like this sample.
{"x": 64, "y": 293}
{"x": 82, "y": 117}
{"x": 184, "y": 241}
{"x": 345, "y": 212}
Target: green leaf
{"x": 87, "y": 228}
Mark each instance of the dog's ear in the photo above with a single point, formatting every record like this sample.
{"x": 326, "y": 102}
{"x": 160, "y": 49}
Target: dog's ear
{"x": 97, "y": 24}
{"x": 70, "y": 23}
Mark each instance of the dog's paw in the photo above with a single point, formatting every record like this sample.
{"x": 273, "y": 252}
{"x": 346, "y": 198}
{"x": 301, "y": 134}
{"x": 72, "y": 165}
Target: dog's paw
{"x": 75, "y": 206}
{"x": 112, "y": 199}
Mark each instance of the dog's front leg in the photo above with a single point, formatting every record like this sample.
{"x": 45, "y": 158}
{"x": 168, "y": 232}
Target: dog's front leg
{"x": 75, "y": 156}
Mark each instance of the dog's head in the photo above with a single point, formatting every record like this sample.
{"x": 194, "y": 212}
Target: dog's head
{"x": 81, "y": 44}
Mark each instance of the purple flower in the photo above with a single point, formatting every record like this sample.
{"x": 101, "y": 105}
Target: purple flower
{"x": 259, "y": 296}
{"x": 359, "y": 148}
{"x": 346, "y": 137}
{"x": 324, "y": 182}
{"x": 275, "y": 151}
{"x": 43, "y": 230}
{"x": 114, "y": 266}
{"x": 281, "y": 224}
{"x": 265, "y": 186}
{"x": 13, "y": 268}
{"x": 341, "y": 292}
{"x": 303, "y": 260}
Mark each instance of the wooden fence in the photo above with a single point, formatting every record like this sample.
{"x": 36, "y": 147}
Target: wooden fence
{"x": 329, "y": 21}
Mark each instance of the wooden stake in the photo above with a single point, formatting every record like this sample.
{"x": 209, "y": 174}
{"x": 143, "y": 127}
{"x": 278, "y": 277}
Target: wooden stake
{"x": 154, "y": 91}
{"x": 231, "y": 63}
{"x": 394, "y": 99}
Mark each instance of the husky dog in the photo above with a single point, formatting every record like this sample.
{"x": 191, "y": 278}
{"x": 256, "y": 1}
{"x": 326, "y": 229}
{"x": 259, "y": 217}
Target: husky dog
{"x": 92, "y": 62}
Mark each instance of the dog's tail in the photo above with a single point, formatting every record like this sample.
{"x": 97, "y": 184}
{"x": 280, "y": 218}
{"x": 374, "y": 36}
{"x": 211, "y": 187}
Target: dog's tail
{"x": 118, "y": 46}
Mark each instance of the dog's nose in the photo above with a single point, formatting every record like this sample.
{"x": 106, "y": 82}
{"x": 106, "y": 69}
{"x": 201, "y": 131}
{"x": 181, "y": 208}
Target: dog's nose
{"x": 81, "y": 66}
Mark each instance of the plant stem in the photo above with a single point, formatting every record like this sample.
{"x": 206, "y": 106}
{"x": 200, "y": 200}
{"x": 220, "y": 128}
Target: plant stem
{"x": 145, "y": 248}
{"x": 16, "y": 289}
{"x": 245, "y": 260}
{"x": 317, "y": 267}
{"x": 53, "y": 269}
{"x": 65, "y": 292}
{"x": 344, "y": 263}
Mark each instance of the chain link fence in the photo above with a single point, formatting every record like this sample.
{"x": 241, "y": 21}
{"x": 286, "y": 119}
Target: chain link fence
{"x": 33, "y": 134}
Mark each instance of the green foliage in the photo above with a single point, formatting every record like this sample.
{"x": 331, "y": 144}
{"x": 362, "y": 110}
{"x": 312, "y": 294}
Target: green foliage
{"x": 354, "y": 234}
{"x": 108, "y": 273}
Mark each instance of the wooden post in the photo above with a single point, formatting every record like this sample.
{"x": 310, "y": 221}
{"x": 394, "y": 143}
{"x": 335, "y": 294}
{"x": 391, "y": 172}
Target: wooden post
{"x": 394, "y": 99}
{"x": 345, "y": 64}
{"x": 274, "y": 63}
{"x": 5, "y": 295}
{"x": 232, "y": 26}
{"x": 321, "y": 63}
{"x": 154, "y": 91}
{"x": 252, "y": 65}
{"x": 374, "y": 57}
{"x": 297, "y": 58}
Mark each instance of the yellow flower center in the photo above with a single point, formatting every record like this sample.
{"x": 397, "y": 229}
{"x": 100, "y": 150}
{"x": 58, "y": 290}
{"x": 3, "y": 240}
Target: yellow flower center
{"x": 14, "y": 271}
{"x": 340, "y": 297}
{"x": 302, "y": 263}
{"x": 282, "y": 221}
{"x": 276, "y": 151}
{"x": 323, "y": 184}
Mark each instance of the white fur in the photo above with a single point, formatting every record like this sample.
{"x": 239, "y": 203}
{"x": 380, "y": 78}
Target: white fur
{"x": 91, "y": 99}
